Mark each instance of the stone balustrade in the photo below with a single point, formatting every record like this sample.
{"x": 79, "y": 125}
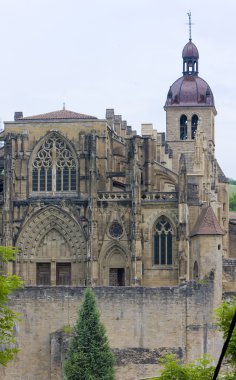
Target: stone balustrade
{"x": 160, "y": 196}
{"x": 114, "y": 196}
{"x": 157, "y": 196}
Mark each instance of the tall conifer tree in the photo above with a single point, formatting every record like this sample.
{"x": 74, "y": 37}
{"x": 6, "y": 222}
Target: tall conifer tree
{"x": 89, "y": 356}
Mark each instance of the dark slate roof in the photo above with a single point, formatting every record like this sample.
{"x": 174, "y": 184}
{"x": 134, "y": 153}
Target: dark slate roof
{"x": 207, "y": 224}
{"x": 221, "y": 175}
{"x": 61, "y": 114}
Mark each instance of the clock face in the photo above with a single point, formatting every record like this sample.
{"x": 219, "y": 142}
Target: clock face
{"x": 116, "y": 230}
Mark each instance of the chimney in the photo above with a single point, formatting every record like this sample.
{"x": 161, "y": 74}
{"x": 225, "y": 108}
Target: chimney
{"x": 18, "y": 115}
{"x": 109, "y": 113}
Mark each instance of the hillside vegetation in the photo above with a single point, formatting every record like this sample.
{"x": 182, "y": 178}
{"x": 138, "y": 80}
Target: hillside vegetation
{"x": 232, "y": 195}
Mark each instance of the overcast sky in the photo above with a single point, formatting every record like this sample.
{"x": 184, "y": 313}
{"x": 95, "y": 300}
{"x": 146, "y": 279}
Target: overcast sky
{"x": 121, "y": 54}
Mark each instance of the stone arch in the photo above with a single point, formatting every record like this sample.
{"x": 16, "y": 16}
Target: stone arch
{"x": 163, "y": 232}
{"x": 157, "y": 214}
{"x": 114, "y": 265}
{"x": 53, "y": 165}
{"x": 47, "y": 136}
{"x": 149, "y": 233}
{"x": 51, "y": 235}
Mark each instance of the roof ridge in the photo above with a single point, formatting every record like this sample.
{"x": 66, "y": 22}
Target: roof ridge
{"x": 59, "y": 114}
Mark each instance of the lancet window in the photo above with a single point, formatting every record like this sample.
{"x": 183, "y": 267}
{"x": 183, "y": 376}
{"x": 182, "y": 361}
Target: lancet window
{"x": 163, "y": 242}
{"x": 183, "y": 127}
{"x": 194, "y": 124}
{"x": 54, "y": 167}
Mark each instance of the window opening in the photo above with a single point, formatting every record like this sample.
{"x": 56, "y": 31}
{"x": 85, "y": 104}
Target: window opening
{"x": 163, "y": 242}
{"x": 54, "y": 168}
{"x": 195, "y": 271}
{"x": 183, "y": 127}
{"x": 63, "y": 274}
{"x": 43, "y": 274}
{"x": 194, "y": 124}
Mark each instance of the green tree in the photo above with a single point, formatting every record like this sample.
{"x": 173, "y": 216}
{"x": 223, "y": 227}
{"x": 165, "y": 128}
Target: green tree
{"x": 89, "y": 356}
{"x": 224, "y": 315}
{"x": 8, "y": 318}
{"x": 173, "y": 369}
{"x": 232, "y": 202}
{"x": 232, "y": 181}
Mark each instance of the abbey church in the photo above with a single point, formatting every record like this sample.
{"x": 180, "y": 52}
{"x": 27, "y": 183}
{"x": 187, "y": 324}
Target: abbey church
{"x": 89, "y": 202}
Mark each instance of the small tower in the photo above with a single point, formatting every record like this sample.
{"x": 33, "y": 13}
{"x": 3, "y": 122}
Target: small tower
{"x": 190, "y": 54}
{"x": 189, "y": 103}
{"x": 206, "y": 241}
{"x": 190, "y": 57}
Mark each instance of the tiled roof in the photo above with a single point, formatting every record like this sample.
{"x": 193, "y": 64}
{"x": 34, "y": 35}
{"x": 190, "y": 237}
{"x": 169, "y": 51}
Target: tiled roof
{"x": 207, "y": 224}
{"x": 62, "y": 114}
{"x": 190, "y": 91}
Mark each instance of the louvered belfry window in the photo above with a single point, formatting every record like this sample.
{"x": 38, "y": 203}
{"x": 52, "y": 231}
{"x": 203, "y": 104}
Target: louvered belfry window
{"x": 54, "y": 167}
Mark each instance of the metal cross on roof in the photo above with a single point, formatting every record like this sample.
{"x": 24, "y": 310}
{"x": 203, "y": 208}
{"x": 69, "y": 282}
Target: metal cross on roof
{"x": 190, "y": 25}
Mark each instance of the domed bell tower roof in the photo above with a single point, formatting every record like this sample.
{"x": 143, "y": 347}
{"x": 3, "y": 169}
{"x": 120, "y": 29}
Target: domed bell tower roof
{"x": 190, "y": 89}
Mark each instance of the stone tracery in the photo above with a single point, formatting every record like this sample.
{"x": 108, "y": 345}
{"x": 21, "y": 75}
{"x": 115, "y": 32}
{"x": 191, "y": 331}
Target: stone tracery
{"x": 54, "y": 167}
{"x": 41, "y": 235}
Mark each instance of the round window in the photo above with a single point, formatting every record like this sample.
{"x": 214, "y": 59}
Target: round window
{"x": 116, "y": 230}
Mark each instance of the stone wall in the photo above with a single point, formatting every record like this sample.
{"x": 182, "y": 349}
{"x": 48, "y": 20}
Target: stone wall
{"x": 229, "y": 274}
{"x": 142, "y": 324}
{"x": 232, "y": 239}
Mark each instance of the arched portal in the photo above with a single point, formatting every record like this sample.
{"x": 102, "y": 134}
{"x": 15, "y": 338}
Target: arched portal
{"x": 114, "y": 266}
{"x": 117, "y": 269}
{"x": 52, "y": 249}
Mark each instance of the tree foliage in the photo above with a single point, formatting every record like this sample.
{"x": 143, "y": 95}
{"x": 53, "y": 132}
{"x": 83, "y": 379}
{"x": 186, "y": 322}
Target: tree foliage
{"x": 232, "y": 202}
{"x": 173, "y": 369}
{"x": 89, "y": 356}
{"x": 8, "y": 318}
{"x": 224, "y": 314}
{"x": 232, "y": 181}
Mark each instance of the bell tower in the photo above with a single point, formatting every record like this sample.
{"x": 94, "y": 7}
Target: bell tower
{"x": 189, "y": 106}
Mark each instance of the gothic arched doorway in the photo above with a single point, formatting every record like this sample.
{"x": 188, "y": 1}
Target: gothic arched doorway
{"x": 117, "y": 269}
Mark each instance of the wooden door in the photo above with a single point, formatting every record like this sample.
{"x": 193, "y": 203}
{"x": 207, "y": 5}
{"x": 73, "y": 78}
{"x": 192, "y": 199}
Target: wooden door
{"x": 63, "y": 274}
{"x": 43, "y": 274}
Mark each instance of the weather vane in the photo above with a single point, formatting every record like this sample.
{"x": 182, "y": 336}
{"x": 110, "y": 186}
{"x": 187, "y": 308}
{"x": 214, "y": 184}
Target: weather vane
{"x": 190, "y": 25}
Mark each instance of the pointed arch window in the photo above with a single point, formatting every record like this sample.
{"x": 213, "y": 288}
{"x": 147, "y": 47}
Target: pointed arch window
{"x": 163, "y": 242}
{"x": 195, "y": 271}
{"x": 194, "y": 124}
{"x": 54, "y": 167}
{"x": 183, "y": 127}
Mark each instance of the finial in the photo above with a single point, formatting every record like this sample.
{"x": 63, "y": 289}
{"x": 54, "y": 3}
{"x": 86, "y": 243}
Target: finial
{"x": 64, "y": 106}
{"x": 190, "y": 25}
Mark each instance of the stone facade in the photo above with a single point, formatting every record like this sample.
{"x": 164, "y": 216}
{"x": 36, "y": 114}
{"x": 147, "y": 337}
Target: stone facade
{"x": 88, "y": 202}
